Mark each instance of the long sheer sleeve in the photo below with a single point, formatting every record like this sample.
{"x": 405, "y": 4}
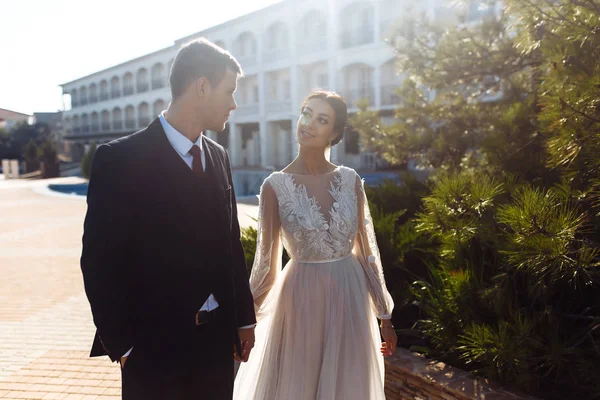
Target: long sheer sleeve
{"x": 367, "y": 252}
{"x": 269, "y": 247}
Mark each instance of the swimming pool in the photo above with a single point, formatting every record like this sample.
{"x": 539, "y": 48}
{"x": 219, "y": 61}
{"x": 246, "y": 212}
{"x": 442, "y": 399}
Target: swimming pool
{"x": 372, "y": 179}
{"x": 79, "y": 189}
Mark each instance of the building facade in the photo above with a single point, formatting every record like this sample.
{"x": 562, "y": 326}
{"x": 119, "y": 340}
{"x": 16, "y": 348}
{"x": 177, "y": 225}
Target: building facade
{"x": 285, "y": 50}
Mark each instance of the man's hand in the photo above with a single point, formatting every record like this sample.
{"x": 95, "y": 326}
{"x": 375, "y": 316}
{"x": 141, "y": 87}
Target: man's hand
{"x": 123, "y": 361}
{"x": 247, "y": 340}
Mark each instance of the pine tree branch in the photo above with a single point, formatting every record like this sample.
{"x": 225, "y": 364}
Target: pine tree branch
{"x": 433, "y": 49}
{"x": 553, "y": 7}
{"x": 583, "y": 114}
{"x": 583, "y": 4}
{"x": 544, "y": 13}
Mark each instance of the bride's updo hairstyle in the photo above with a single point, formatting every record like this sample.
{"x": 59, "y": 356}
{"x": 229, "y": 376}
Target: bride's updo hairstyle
{"x": 339, "y": 106}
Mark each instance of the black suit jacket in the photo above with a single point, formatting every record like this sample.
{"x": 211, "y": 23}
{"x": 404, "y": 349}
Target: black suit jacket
{"x": 153, "y": 251}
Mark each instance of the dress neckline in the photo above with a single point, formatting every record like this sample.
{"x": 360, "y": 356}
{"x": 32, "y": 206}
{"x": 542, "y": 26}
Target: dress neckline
{"x": 324, "y": 174}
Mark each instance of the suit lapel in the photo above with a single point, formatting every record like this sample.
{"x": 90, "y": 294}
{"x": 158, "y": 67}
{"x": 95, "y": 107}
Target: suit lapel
{"x": 219, "y": 174}
{"x": 178, "y": 177}
{"x": 214, "y": 165}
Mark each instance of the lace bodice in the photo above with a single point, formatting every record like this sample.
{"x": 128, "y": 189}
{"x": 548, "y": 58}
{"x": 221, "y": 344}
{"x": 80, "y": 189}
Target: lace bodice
{"x": 314, "y": 230}
{"x": 318, "y": 219}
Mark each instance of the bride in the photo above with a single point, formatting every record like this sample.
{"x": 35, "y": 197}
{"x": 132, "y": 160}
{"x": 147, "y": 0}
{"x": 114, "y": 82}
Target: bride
{"x": 317, "y": 335}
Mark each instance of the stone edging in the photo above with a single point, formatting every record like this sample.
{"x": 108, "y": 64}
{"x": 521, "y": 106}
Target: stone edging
{"x": 410, "y": 376}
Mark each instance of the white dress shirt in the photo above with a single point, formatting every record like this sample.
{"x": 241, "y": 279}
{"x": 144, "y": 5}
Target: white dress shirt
{"x": 182, "y": 146}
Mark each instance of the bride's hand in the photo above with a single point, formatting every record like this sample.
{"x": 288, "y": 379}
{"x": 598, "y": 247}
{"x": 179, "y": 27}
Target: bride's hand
{"x": 388, "y": 347}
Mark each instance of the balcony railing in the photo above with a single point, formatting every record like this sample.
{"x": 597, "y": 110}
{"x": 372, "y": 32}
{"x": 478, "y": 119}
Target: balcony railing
{"x": 313, "y": 46}
{"x": 117, "y": 125}
{"x": 83, "y": 102}
{"x": 76, "y": 130}
{"x": 93, "y": 99}
{"x": 85, "y": 129}
{"x": 353, "y": 96}
{"x": 158, "y": 84}
{"x": 127, "y": 90}
{"x": 279, "y": 106}
{"x": 105, "y": 126}
{"x": 115, "y": 94}
{"x": 142, "y": 87}
{"x": 357, "y": 37}
{"x": 276, "y": 55}
{"x": 130, "y": 124}
{"x": 389, "y": 95}
{"x": 103, "y": 96}
{"x": 247, "y": 109}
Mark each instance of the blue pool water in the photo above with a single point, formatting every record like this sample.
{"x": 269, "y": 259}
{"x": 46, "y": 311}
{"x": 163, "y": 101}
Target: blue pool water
{"x": 376, "y": 178}
{"x": 78, "y": 188}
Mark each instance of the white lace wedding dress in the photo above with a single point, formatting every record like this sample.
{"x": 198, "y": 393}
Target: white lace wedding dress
{"x": 317, "y": 335}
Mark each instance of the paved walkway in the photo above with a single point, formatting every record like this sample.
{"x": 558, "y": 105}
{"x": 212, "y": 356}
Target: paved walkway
{"x": 46, "y": 327}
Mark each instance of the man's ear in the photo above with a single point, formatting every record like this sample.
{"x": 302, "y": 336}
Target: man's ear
{"x": 202, "y": 86}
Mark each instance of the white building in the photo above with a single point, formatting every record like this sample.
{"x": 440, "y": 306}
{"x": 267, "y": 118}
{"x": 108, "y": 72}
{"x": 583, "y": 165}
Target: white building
{"x": 285, "y": 50}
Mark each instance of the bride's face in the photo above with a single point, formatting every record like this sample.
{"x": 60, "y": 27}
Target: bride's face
{"x": 315, "y": 125}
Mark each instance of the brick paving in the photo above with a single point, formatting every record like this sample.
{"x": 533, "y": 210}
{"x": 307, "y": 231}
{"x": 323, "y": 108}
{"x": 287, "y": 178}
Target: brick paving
{"x": 46, "y": 326}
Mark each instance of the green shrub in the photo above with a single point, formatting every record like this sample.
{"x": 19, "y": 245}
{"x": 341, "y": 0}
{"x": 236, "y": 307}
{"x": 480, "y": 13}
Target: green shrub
{"x": 514, "y": 294}
{"x": 249, "y": 238}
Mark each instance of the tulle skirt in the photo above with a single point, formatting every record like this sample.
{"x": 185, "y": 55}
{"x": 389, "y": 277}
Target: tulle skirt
{"x": 317, "y": 338}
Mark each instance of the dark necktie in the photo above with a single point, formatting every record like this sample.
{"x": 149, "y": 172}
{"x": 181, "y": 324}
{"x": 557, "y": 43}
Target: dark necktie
{"x": 197, "y": 160}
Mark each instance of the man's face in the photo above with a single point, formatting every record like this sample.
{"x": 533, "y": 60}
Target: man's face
{"x": 220, "y": 102}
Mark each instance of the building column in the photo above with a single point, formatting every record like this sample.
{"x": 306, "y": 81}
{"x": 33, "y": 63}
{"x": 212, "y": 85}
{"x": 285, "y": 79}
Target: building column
{"x": 333, "y": 39}
{"x": 233, "y": 144}
{"x": 264, "y": 143}
{"x": 284, "y": 147}
{"x": 377, "y": 83}
{"x": 251, "y": 145}
{"x": 334, "y": 78}
{"x": 294, "y": 89}
{"x": 293, "y": 141}
{"x": 377, "y": 18}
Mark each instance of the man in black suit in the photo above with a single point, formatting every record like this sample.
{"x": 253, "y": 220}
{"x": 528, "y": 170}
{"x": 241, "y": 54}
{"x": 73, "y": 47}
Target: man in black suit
{"x": 162, "y": 261}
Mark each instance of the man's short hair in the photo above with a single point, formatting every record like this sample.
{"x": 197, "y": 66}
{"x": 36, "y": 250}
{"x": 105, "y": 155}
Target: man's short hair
{"x": 200, "y": 58}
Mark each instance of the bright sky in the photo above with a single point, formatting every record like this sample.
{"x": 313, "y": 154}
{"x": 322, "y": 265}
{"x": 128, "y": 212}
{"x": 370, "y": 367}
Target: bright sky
{"x": 44, "y": 43}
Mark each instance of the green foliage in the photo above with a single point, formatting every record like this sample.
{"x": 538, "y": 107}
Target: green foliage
{"x": 86, "y": 161}
{"x": 405, "y": 252}
{"x": 30, "y": 151}
{"x": 47, "y": 152}
{"x": 508, "y": 112}
{"x": 458, "y": 215}
{"x": 503, "y": 351}
{"x": 468, "y": 101}
{"x": 249, "y": 236}
{"x": 543, "y": 234}
{"x": 249, "y": 240}
{"x": 566, "y": 38}
{"x": 514, "y": 295}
